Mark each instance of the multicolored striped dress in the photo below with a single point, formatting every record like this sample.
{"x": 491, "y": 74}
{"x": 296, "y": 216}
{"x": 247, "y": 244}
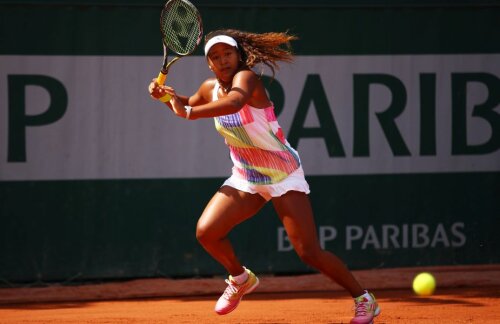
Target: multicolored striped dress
{"x": 258, "y": 148}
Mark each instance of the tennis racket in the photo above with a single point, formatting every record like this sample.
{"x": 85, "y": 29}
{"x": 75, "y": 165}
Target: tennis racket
{"x": 181, "y": 30}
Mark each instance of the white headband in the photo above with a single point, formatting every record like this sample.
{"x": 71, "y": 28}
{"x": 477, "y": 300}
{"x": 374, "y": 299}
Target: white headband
{"x": 220, "y": 39}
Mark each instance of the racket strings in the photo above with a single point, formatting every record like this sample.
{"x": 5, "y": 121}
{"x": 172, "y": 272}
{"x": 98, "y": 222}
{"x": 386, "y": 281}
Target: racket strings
{"x": 181, "y": 29}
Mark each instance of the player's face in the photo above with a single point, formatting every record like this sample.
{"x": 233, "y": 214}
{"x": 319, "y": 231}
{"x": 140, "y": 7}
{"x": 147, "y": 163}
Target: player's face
{"x": 224, "y": 61}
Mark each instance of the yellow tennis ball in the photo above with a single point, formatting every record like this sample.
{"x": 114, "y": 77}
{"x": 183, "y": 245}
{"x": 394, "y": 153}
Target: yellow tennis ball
{"x": 424, "y": 284}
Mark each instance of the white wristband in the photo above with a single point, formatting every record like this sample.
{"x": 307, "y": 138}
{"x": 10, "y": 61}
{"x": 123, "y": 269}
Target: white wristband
{"x": 188, "y": 111}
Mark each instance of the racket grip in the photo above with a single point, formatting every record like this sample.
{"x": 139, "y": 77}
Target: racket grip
{"x": 165, "y": 98}
{"x": 161, "y": 78}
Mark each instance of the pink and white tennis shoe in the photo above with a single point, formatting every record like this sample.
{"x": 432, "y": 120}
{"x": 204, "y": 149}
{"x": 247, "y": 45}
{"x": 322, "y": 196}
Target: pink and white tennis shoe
{"x": 234, "y": 293}
{"x": 365, "y": 309}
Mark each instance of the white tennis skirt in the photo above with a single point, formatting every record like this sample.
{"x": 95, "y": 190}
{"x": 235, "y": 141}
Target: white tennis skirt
{"x": 295, "y": 181}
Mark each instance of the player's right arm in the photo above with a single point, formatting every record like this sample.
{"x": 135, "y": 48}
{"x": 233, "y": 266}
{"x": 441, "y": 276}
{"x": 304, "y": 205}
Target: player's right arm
{"x": 202, "y": 96}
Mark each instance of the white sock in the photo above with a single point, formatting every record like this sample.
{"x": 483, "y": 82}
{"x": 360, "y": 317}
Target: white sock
{"x": 241, "y": 278}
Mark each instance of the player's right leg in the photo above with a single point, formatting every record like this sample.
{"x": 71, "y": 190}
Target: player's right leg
{"x": 227, "y": 208}
{"x": 295, "y": 211}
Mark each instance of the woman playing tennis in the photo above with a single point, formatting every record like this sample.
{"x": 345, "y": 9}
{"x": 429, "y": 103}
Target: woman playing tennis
{"x": 265, "y": 167}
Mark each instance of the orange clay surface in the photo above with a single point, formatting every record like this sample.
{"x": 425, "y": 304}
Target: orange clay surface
{"x": 447, "y": 305}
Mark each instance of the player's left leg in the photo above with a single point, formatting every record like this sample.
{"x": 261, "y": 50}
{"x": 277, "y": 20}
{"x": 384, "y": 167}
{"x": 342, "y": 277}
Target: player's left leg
{"x": 295, "y": 211}
{"x": 227, "y": 208}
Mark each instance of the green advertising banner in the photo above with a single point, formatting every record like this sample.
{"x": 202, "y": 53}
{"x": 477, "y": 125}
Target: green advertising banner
{"x": 395, "y": 111}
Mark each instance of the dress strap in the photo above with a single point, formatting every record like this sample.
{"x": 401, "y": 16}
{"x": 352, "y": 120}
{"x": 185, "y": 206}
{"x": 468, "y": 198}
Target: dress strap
{"x": 215, "y": 91}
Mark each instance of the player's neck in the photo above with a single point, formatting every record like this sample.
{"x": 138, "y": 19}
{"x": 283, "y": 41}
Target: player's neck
{"x": 225, "y": 86}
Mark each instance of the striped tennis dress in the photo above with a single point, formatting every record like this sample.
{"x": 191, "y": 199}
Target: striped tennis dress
{"x": 258, "y": 148}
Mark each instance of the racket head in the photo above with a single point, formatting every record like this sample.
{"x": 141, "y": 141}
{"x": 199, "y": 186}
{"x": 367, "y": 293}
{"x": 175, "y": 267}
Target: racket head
{"x": 181, "y": 27}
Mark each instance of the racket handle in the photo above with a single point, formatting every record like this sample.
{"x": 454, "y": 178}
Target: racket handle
{"x": 161, "y": 78}
{"x": 165, "y": 98}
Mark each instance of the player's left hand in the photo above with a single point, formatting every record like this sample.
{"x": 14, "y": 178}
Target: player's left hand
{"x": 156, "y": 91}
{"x": 175, "y": 103}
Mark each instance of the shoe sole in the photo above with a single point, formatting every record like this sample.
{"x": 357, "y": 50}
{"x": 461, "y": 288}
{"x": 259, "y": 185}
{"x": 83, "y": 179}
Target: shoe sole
{"x": 375, "y": 313}
{"x": 225, "y": 312}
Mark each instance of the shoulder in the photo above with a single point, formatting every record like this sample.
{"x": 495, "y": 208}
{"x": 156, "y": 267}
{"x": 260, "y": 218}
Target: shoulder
{"x": 208, "y": 84}
{"x": 206, "y": 88}
{"x": 246, "y": 74}
{"x": 203, "y": 94}
{"x": 246, "y": 77}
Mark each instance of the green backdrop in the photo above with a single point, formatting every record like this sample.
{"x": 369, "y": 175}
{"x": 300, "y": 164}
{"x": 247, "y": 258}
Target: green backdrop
{"x": 71, "y": 230}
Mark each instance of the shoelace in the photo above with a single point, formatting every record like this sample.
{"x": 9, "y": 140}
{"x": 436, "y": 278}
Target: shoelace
{"x": 361, "y": 307}
{"x": 231, "y": 289}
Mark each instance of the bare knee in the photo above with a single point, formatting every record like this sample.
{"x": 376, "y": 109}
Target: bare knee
{"x": 206, "y": 235}
{"x": 202, "y": 234}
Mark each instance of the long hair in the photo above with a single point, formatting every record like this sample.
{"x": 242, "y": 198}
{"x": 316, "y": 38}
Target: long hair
{"x": 266, "y": 48}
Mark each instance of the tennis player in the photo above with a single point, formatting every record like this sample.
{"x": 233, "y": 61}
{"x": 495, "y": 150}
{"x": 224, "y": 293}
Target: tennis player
{"x": 266, "y": 168}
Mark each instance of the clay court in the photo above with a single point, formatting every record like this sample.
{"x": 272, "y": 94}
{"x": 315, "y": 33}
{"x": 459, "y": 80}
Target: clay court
{"x": 465, "y": 295}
